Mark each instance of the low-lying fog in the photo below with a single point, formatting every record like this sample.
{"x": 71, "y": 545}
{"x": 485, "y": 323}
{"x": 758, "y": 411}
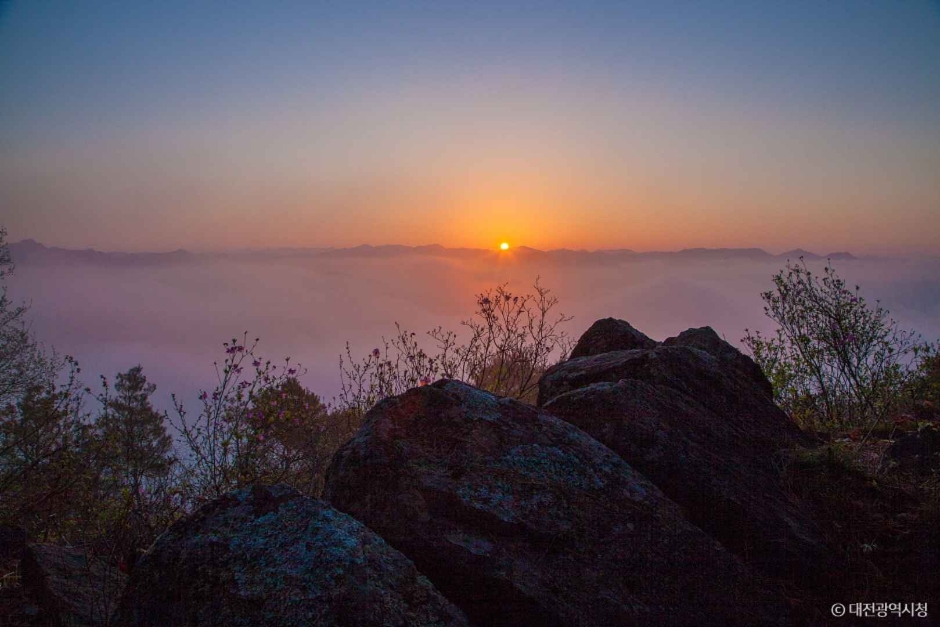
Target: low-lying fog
{"x": 172, "y": 318}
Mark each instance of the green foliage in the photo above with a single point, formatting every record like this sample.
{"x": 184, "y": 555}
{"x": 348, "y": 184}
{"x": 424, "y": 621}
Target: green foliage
{"x": 44, "y": 466}
{"x": 307, "y": 431}
{"x": 135, "y": 497}
{"x": 513, "y": 339}
{"x": 225, "y": 446}
{"x": 44, "y": 437}
{"x": 259, "y": 425}
{"x": 924, "y": 391}
{"x": 132, "y": 433}
{"x": 834, "y": 360}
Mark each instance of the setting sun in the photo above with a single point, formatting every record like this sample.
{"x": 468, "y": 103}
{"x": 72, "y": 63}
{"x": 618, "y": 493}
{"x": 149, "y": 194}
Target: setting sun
{"x": 504, "y": 246}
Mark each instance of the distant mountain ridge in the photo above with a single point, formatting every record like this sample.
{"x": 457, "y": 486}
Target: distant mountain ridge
{"x": 30, "y": 251}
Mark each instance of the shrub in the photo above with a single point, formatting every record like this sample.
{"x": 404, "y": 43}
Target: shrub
{"x": 52, "y": 460}
{"x": 834, "y": 361}
{"x": 307, "y": 431}
{"x": 924, "y": 391}
{"x": 45, "y": 458}
{"x": 226, "y": 444}
{"x": 513, "y": 339}
{"x": 258, "y": 425}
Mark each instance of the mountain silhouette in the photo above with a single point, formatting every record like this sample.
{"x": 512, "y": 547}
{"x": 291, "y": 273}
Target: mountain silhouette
{"x": 30, "y": 251}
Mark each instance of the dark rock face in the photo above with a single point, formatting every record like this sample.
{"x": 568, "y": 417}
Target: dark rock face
{"x": 918, "y": 451}
{"x": 269, "y": 556}
{"x": 714, "y": 384}
{"x": 13, "y": 541}
{"x": 705, "y": 463}
{"x": 697, "y": 417}
{"x": 70, "y": 587}
{"x": 522, "y": 519}
{"x": 705, "y": 338}
{"x": 609, "y": 335}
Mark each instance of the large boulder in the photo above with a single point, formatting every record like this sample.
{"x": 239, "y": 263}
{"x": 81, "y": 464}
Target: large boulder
{"x": 70, "y": 586}
{"x": 706, "y": 464}
{"x": 522, "y": 519}
{"x": 717, "y": 383}
{"x": 706, "y": 339}
{"x": 697, "y": 418}
{"x": 269, "y": 556}
{"x": 609, "y": 335}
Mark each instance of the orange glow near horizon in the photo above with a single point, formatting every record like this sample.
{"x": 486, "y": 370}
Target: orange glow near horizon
{"x": 504, "y": 246}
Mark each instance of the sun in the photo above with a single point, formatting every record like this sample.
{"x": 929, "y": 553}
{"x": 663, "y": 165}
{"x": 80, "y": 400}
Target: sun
{"x": 504, "y": 246}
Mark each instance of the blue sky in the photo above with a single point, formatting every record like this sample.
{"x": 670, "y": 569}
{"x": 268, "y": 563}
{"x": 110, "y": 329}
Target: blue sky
{"x": 138, "y": 125}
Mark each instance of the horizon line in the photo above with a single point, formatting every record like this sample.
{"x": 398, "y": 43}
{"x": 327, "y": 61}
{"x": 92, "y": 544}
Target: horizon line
{"x": 494, "y": 249}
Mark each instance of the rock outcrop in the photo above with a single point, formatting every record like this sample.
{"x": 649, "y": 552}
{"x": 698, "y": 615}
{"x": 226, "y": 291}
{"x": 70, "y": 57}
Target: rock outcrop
{"x": 705, "y": 338}
{"x": 696, "y": 417}
{"x": 609, "y": 335}
{"x": 918, "y": 451}
{"x": 522, "y": 519}
{"x": 714, "y": 381}
{"x": 69, "y": 586}
{"x": 269, "y": 556}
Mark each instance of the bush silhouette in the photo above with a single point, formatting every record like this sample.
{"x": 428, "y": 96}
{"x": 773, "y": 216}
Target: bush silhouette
{"x": 834, "y": 360}
{"x": 512, "y": 340}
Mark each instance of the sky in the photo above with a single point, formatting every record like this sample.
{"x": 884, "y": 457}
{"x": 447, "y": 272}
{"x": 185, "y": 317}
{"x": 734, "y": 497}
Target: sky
{"x": 646, "y": 125}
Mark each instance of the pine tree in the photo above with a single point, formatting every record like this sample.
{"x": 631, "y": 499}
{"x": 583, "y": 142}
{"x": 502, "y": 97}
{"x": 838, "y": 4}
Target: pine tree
{"x": 135, "y": 463}
{"x": 136, "y": 444}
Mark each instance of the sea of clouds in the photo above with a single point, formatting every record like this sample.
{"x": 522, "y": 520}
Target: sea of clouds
{"x": 173, "y": 318}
